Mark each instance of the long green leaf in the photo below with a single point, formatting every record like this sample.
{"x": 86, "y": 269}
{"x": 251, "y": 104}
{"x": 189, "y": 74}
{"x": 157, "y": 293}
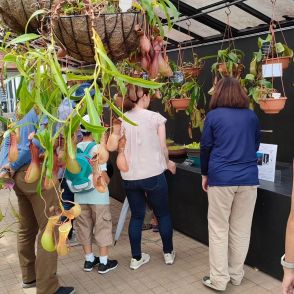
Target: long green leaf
{"x": 70, "y": 148}
{"x": 93, "y": 114}
{"x": 36, "y": 13}
{"x": 78, "y": 77}
{"x": 57, "y": 74}
{"x": 23, "y": 38}
{"x": 4, "y": 120}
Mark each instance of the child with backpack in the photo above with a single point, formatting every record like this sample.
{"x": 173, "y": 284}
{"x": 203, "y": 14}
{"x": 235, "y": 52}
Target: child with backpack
{"x": 95, "y": 222}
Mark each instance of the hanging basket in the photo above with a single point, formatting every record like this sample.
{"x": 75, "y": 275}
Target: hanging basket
{"x": 237, "y": 70}
{"x": 191, "y": 71}
{"x": 284, "y": 60}
{"x": 272, "y": 105}
{"x": 180, "y": 103}
{"x": 117, "y": 32}
{"x": 16, "y": 13}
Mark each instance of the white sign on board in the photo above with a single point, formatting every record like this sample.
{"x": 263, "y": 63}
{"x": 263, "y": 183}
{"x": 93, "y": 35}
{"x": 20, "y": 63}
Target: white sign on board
{"x": 272, "y": 70}
{"x": 266, "y": 161}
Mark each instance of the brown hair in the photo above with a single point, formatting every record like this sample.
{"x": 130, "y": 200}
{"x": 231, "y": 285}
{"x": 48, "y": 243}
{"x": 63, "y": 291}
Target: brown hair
{"x": 229, "y": 93}
{"x": 134, "y": 94}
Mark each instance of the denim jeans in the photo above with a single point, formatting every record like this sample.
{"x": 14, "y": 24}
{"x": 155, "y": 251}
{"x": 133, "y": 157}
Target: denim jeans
{"x": 155, "y": 189}
{"x": 69, "y": 196}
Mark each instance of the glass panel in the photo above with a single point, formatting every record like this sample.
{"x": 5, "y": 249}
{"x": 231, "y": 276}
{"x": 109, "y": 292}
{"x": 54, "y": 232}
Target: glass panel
{"x": 199, "y": 3}
{"x": 283, "y": 7}
{"x": 176, "y": 35}
{"x": 239, "y": 19}
{"x": 198, "y": 28}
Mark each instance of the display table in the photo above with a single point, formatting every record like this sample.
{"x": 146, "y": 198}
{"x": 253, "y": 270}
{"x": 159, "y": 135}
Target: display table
{"x": 188, "y": 204}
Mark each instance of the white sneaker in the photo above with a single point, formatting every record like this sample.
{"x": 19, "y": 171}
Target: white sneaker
{"x": 169, "y": 258}
{"x": 135, "y": 264}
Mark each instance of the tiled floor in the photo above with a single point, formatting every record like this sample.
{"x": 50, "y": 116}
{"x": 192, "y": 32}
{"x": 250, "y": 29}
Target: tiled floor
{"x": 153, "y": 278}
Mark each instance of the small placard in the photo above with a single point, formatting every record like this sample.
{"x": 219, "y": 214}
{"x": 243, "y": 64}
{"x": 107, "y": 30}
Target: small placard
{"x": 266, "y": 161}
{"x": 272, "y": 70}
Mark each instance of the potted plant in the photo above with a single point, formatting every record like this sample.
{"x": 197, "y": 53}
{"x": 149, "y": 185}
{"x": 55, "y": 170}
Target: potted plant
{"x": 271, "y": 101}
{"x": 194, "y": 68}
{"x": 228, "y": 63}
{"x": 72, "y": 23}
{"x": 271, "y": 52}
{"x": 184, "y": 97}
{"x": 263, "y": 93}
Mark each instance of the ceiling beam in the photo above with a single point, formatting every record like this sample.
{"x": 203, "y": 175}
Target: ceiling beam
{"x": 206, "y": 19}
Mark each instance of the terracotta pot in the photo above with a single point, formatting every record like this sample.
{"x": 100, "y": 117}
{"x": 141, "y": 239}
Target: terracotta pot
{"x": 284, "y": 60}
{"x": 271, "y": 105}
{"x": 191, "y": 71}
{"x": 180, "y": 103}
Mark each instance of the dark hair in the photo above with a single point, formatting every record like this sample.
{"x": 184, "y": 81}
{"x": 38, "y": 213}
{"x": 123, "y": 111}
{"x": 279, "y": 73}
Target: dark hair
{"x": 229, "y": 93}
{"x": 134, "y": 94}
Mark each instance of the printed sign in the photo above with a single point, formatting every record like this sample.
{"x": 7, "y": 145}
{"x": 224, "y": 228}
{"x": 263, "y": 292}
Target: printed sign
{"x": 266, "y": 161}
{"x": 272, "y": 70}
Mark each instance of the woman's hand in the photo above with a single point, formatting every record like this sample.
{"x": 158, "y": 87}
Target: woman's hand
{"x": 288, "y": 281}
{"x": 204, "y": 183}
{"x": 171, "y": 166}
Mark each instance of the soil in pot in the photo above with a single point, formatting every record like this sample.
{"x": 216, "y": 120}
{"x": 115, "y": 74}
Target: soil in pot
{"x": 271, "y": 105}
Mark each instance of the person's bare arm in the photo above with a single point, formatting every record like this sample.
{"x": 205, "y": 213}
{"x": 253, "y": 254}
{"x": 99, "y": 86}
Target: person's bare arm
{"x": 288, "y": 281}
{"x": 171, "y": 166}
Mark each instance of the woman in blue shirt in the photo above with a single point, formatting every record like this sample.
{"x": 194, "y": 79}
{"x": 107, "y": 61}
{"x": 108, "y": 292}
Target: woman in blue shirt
{"x": 229, "y": 142}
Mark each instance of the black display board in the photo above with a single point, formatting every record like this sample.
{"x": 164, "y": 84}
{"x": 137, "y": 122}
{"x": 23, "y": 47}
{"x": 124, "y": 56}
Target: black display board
{"x": 282, "y": 124}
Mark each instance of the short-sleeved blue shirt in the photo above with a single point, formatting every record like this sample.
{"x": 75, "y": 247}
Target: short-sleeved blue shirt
{"x": 229, "y": 142}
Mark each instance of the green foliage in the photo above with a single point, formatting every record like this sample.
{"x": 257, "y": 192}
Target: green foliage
{"x": 43, "y": 85}
{"x": 231, "y": 58}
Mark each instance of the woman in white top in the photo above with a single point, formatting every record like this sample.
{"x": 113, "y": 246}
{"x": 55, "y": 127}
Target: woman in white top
{"x": 147, "y": 158}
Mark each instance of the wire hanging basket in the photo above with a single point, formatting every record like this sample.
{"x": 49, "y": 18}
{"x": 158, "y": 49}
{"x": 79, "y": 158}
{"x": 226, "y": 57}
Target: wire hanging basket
{"x": 116, "y": 30}
{"x": 16, "y": 13}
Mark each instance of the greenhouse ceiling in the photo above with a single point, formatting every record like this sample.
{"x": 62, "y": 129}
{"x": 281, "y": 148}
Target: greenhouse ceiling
{"x": 203, "y": 21}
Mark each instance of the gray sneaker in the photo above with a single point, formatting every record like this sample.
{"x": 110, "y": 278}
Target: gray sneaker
{"x": 169, "y": 258}
{"x": 135, "y": 264}
{"x": 31, "y": 284}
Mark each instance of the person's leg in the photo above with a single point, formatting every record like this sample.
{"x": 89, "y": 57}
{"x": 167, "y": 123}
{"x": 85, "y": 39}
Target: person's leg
{"x": 136, "y": 198}
{"x": 157, "y": 193}
{"x": 46, "y": 278}
{"x": 148, "y": 217}
{"x": 26, "y": 237}
{"x": 103, "y": 236}
{"x": 84, "y": 224}
{"x": 240, "y": 229}
{"x": 220, "y": 200}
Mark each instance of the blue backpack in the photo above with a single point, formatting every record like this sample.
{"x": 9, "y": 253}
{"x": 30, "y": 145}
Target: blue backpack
{"x": 83, "y": 181}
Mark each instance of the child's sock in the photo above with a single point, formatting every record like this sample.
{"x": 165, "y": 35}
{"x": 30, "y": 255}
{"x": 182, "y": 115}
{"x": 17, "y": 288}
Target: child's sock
{"x": 90, "y": 257}
{"x": 103, "y": 259}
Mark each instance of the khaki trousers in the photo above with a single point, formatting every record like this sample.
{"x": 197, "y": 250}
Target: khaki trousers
{"x": 41, "y": 266}
{"x": 230, "y": 213}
